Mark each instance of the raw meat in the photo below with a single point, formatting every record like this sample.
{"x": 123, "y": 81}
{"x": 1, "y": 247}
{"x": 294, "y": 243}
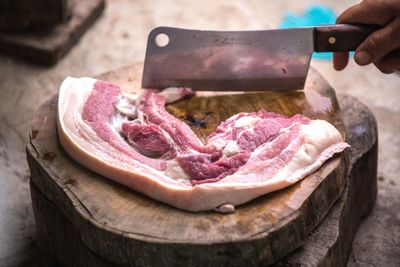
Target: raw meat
{"x": 134, "y": 141}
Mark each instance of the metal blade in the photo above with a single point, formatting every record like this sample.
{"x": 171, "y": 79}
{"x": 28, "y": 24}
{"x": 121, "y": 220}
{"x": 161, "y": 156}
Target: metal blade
{"x": 275, "y": 60}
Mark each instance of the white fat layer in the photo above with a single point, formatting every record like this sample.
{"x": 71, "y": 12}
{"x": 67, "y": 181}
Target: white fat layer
{"x": 175, "y": 172}
{"x": 171, "y": 94}
{"x": 84, "y": 83}
{"x": 318, "y": 135}
{"x": 126, "y": 107}
{"x": 117, "y": 120}
{"x": 219, "y": 143}
{"x": 301, "y": 159}
{"x": 231, "y": 148}
{"x": 129, "y": 96}
{"x": 73, "y": 95}
{"x": 226, "y": 208}
{"x": 247, "y": 121}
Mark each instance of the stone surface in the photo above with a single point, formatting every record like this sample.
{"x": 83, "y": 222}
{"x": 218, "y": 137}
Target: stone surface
{"x": 118, "y": 39}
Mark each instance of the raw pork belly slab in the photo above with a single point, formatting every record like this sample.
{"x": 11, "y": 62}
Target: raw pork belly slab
{"x": 133, "y": 140}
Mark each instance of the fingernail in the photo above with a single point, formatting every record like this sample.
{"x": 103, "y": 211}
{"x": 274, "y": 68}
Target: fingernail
{"x": 362, "y": 58}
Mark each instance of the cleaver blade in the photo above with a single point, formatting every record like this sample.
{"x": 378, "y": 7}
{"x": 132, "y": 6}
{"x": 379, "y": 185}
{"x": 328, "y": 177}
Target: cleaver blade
{"x": 276, "y": 60}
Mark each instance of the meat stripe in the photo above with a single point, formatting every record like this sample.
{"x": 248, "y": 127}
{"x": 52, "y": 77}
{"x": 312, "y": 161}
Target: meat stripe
{"x": 271, "y": 154}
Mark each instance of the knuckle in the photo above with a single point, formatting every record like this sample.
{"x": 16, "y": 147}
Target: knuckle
{"x": 374, "y": 42}
{"x": 383, "y": 3}
{"x": 396, "y": 28}
{"x": 374, "y": 3}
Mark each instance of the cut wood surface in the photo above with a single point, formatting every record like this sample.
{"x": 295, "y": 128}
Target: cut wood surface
{"x": 329, "y": 244}
{"x": 127, "y": 228}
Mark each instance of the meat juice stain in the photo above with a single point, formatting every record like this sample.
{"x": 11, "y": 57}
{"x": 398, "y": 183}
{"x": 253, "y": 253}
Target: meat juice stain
{"x": 71, "y": 182}
{"x": 34, "y": 133}
{"x": 202, "y": 226}
{"x": 49, "y": 156}
{"x": 201, "y": 123}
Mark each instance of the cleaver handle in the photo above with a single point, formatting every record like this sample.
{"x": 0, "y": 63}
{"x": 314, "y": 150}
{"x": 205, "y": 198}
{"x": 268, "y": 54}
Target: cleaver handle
{"x": 344, "y": 37}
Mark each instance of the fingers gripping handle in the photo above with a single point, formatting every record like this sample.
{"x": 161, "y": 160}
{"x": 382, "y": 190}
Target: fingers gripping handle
{"x": 344, "y": 37}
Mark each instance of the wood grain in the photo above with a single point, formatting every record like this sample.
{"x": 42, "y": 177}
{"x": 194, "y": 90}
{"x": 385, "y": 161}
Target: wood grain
{"x": 128, "y": 228}
{"x": 329, "y": 244}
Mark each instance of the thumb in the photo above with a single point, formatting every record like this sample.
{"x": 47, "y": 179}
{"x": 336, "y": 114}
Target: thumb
{"x": 379, "y": 43}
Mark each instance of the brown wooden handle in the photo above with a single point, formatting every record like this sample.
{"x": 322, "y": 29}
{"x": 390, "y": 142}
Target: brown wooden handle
{"x": 343, "y": 37}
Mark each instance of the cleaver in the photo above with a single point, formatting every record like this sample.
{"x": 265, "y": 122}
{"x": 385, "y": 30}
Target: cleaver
{"x": 276, "y": 60}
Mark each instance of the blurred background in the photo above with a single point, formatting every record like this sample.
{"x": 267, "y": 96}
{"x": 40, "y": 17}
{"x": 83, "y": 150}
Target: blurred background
{"x": 118, "y": 38}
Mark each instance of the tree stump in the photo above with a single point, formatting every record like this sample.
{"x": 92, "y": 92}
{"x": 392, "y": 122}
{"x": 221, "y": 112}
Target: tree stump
{"x": 107, "y": 224}
{"x": 22, "y": 15}
{"x": 46, "y": 45}
{"x": 329, "y": 244}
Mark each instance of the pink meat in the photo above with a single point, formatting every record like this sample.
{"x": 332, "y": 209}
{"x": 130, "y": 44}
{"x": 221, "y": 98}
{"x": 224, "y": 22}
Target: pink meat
{"x": 202, "y": 169}
{"x": 151, "y": 106}
{"x": 277, "y": 153}
{"x": 97, "y": 112}
{"x": 267, "y": 130}
{"x": 202, "y": 163}
{"x": 148, "y": 139}
{"x": 248, "y": 155}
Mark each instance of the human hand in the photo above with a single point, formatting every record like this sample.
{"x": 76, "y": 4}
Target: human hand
{"x": 376, "y": 47}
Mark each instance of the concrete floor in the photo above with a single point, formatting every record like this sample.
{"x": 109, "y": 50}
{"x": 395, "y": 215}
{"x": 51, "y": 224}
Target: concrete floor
{"x": 119, "y": 39}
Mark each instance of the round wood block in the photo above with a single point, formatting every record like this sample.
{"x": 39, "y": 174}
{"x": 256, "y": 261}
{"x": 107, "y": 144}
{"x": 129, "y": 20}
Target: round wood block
{"x": 330, "y": 243}
{"x": 127, "y": 228}
{"x": 47, "y": 45}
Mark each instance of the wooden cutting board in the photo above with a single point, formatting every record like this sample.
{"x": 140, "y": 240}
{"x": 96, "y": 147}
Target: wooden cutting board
{"x": 128, "y": 228}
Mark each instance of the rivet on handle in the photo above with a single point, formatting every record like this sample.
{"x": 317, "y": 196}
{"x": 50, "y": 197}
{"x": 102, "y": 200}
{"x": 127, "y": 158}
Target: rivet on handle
{"x": 332, "y": 40}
